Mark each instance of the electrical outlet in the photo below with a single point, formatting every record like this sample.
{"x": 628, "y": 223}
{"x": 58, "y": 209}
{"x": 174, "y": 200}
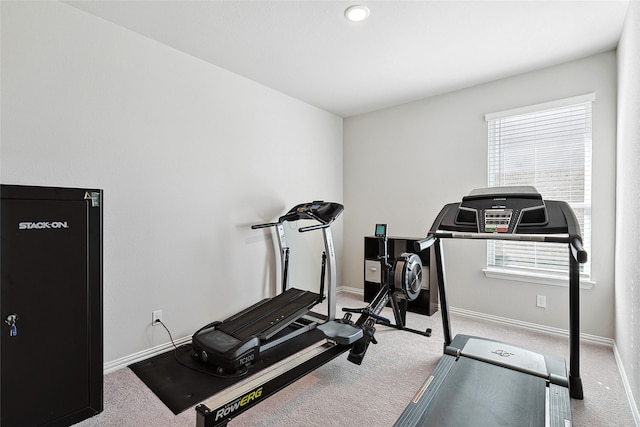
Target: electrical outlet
{"x": 156, "y": 317}
{"x": 541, "y": 301}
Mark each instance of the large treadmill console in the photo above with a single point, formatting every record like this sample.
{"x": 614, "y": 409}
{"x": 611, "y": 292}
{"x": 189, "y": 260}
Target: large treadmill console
{"x": 499, "y": 210}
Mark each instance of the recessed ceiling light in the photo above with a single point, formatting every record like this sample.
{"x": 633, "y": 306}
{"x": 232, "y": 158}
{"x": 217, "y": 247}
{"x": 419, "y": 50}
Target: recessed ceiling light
{"x": 356, "y": 13}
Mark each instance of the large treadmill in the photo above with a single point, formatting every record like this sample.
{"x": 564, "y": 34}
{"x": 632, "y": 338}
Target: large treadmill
{"x": 483, "y": 382}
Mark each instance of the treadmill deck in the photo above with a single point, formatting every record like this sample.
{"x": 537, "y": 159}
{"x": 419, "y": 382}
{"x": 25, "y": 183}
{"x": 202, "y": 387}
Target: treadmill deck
{"x": 464, "y": 391}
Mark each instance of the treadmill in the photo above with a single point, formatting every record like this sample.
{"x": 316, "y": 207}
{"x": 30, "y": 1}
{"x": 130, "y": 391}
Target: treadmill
{"x": 483, "y": 382}
{"x": 234, "y": 344}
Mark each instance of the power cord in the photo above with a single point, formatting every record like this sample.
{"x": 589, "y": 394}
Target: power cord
{"x": 193, "y": 368}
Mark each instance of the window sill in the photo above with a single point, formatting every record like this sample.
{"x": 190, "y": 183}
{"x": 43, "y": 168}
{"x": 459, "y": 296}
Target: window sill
{"x": 535, "y": 277}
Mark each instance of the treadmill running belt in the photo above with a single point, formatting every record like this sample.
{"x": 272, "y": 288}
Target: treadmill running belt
{"x": 277, "y": 309}
{"x": 480, "y": 394}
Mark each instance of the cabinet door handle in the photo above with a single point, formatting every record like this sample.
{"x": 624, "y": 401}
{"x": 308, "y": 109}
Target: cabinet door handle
{"x": 11, "y": 321}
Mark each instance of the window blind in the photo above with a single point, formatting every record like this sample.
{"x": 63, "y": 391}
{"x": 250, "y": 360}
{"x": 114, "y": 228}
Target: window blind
{"x": 550, "y": 149}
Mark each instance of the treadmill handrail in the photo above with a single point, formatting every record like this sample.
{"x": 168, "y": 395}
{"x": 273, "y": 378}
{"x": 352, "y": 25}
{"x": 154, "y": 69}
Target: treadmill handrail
{"x": 313, "y": 227}
{"x": 425, "y": 243}
{"x": 552, "y": 238}
{"x": 301, "y": 230}
{"x": 577, "y": 251}
{"x": 268, "y": 224}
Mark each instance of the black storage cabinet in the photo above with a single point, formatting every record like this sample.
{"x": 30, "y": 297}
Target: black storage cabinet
{"x": 51, "y": 361}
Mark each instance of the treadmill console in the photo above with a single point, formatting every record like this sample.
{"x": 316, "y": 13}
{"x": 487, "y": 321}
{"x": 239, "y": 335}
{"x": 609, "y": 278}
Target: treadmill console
{"x": 323, "y": 212}
{"x": 497, "y": 220}
{"x": 499, "y": 210}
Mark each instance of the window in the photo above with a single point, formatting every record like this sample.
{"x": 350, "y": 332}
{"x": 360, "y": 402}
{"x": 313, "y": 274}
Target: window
{"x": 547, "y": 146}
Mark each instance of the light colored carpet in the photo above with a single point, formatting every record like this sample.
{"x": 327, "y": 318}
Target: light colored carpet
{"x": 375, "y": 394}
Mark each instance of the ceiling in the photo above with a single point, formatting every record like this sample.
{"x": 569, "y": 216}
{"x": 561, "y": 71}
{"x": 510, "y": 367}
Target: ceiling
{"x": 404, "y": 51}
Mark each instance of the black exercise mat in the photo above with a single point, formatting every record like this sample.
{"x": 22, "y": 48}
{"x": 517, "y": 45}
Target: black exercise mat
{"x": 180, "y": 387}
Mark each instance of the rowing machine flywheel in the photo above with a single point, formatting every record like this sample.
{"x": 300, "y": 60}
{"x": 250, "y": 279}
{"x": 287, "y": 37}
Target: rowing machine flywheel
{"x": 407, "y": 274}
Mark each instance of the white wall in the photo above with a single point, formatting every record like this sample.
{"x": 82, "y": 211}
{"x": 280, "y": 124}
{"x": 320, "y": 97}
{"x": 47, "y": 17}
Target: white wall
{"x": 627, "y": 268}
{"x": 403, "y": 164}
{"x": 189, "y": 156}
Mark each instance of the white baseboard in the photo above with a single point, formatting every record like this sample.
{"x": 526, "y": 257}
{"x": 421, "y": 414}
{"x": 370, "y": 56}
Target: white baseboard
{"x": 125, "y": 361}
{"x": 531, "y": 326}
{"x": 627, "y": 386}
{"x": 350, "y": 289}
